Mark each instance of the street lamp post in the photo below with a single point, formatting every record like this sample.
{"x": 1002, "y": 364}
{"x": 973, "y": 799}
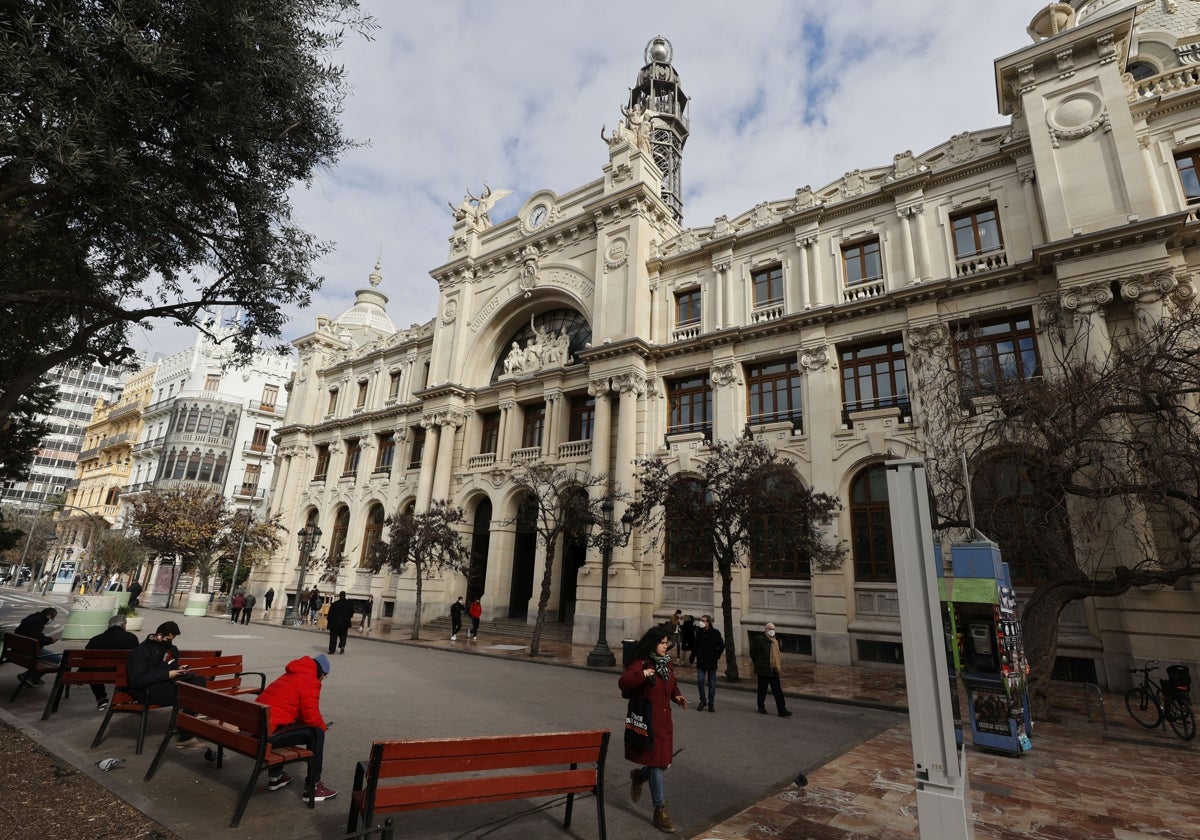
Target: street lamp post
{"x": 601, "y": 656}
{"x": 307, "y": 539}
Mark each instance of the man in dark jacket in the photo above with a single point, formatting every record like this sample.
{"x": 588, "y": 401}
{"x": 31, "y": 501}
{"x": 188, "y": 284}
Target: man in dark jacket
{"x": 154, "y": 669}
{"x": 764, "y": 653}
{"x": 708, "y": 649}
{"x": 135, "y": 591}
{"x": 34, "y": 626}
{"x": 116, "y": 637}
{"x": 456, "y": 611}
{"x": 338, "y": 619}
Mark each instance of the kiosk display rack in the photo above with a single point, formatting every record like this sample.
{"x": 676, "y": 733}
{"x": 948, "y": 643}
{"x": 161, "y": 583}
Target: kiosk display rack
{"x": 983, "y": 634}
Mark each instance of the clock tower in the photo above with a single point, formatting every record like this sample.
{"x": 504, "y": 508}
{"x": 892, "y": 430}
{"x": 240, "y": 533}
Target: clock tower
{"x": 659, "y": 92}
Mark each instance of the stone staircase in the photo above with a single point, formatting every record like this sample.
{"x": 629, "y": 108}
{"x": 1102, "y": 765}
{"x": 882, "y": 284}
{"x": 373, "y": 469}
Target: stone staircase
{"x": 504, "y": 630}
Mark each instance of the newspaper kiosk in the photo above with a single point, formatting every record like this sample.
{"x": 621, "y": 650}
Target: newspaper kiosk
{"x": 984, "y": 641}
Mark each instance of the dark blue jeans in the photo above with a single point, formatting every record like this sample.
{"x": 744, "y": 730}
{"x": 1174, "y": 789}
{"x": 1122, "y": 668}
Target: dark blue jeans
{"x": 311, "y": 738}
{"x": 708, "y": 678}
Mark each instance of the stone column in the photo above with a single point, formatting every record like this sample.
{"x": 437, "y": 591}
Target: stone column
{"x": 602, "y": 433}
{"x": 1089, "y": 337}
{"x": 510, "y": 419}
{"x": 631, "y": 386}
{"x": 1032, "y": 213}
{"x": 720, "y": 266}
{"x": 1149, "y": 292}
{"x": 428, "y": 460}
{"x": 1156, "y": 196}
{"x": 804, "y": 243}
{"x": 723, "y": 376}
{"x": 910, "y": 263}
{"x": 553, "y": 434}
{"x": 448, "y": 424}
{"x": 814, "y": 270}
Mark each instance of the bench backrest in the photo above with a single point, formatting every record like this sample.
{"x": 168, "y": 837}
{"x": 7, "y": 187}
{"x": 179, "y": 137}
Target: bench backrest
{"x": 98, "y": 665}
{"x": 205, "y": 666}
{"x": 400, "y": 759}
{"x": 22, "y": 650}
{"x": 203, "y": 712}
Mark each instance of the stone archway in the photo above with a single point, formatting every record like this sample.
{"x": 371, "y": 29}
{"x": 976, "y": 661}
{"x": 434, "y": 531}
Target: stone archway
{"x": 481, "y": 536}
{"x": 524, "y": 561}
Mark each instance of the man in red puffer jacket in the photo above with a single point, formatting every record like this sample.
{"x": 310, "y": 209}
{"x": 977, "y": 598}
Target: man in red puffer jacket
{"x": 295, "y": 703}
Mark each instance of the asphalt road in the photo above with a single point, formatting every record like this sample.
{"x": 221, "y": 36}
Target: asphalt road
{"x": 381, "y": 690}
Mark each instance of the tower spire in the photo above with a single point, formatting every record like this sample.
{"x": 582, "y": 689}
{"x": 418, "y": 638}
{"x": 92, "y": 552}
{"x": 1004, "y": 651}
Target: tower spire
{"x": 658, "y": 91}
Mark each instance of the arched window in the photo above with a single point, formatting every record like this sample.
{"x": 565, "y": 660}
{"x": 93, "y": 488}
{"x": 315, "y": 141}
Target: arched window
{"x": 372, "y": 534}
{"x": 579, "y": 333}
{"x": 193, "y": 465}
{"x": 688, "y": 549}
{"x": 871, "y": 526}
{"x": 219, "y": 469}
{"x": 193, "y": 417}
{"x": 771, "y": 556}
{"x": 206, "y": 466}
{"x": 1027, "y": 522}
{"x": 205, "y": 423}
{"x": 337, "y": 540}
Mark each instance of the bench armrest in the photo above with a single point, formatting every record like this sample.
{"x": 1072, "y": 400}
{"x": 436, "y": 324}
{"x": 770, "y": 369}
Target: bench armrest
{"x": 262, "y": 679}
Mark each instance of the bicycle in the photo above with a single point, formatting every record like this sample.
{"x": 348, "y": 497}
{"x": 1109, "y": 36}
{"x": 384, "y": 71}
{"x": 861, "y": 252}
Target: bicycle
{"x": 1153, "y": 704}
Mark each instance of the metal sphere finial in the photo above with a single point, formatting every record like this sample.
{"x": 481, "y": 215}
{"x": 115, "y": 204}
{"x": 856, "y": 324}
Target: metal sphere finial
{"x": 659, "y": 50}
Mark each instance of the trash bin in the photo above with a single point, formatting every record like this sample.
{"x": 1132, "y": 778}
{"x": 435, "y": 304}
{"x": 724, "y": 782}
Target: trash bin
{"x": 627, "y": 651}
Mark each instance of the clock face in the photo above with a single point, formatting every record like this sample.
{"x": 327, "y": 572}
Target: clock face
{"x": 537, "y": 216}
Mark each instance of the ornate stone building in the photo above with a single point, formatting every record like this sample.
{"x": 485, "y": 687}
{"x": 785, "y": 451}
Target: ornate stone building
{"x": 592, "y": 328}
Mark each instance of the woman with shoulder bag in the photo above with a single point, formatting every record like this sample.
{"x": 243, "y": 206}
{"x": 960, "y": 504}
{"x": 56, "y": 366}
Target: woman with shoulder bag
{"x": 650, "y": 678}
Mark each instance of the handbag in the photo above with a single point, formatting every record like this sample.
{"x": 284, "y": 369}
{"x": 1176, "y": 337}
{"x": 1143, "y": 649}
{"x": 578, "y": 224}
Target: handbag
{"x": 638, "y": 733}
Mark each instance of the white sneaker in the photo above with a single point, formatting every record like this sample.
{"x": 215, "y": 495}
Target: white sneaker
{"x": 454, "y": 637}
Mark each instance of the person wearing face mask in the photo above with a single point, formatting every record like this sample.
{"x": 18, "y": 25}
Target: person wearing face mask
{"x": 708, "y": 649}
{"x": 764, "y": 653}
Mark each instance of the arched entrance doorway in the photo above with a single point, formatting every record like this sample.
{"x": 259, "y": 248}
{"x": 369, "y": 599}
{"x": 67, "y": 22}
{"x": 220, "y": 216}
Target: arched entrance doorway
{"x": 524, "y": 559}
{"x": 481, "y": 536}
{"x": 574, "y": 557}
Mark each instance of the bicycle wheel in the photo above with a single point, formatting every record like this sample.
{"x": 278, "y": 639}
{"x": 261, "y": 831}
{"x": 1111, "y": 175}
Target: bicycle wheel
{"x": 1142, "y": 707}
{"x": 1179, "y": 715}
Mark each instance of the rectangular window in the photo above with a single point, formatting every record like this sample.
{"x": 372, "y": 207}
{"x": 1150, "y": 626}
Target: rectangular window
{"x": 583, "y": 418}
{"x": 687, "y": 308}
{"x": 270, "y": 396}
{"x": 862, "y": 262}
{"x": 1186, "y": 163}
{"x": 418, "y": 447}
{"x": 874, "y": 376}
{"x": 353, "y": 452}
{"x": 990, "y": 352}
{"x": 690, "y": 405}
{"x": 773, "y": 391}
{"x": 332, "y": 407}
{"x": 489, "y": 440}
{"x": 535, "y": 422}
{"x": 394, "y": 385}
{"x": 361, "y": 399}
{"x": 768, "y": 286}
{"x": 976, "y": 232}
{"x": 212, "y": 382}
{"x": 250, "y": 479}
{"x": 769, "y": 559}
{"x": 322, "y": 468}
{"x": 262, "y": 436}
{"x": 687, "y": 552}
{"x": 386, "y": 444}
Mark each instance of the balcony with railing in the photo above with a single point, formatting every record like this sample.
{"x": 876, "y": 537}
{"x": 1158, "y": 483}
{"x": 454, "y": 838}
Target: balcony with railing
{"x": 772, "y": 311}
{"x": 267, "y": 408}
{"x": 979, "y": 263}
{"x": 149, "y": 445}
{"x": 248, "y": 491}
{"x": 573, "y": 450}
{"x": 251, "y": 449}
{"x": 482, "y": 461}
{"x": 866, "y": 290}
{"x": 794, "y": 418}
{"x": 899, "y": 403}
{"x": 686, "y": 332}
{"x": 702, "y": 429}
{"x": 526, "y": 456}
{"x": 123, "y": 410}
{"x": 116, "y": 440}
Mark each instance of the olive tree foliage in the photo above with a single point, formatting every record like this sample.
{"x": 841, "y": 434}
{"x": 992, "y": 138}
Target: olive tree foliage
{"x": 146, "y": 161}
{"x": 744, "y": 500}
{"x": 431, "y": 541}
{"x": 200, "y": 528}
{"x": 1087, "y": 475}
{"x": 565, "y": 503}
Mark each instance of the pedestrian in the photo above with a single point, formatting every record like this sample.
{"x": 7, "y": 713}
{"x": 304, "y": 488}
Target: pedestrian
{"x": 236, "y": 605}
{"x": 248, "y": 608}
{"x": 295, "y": 702}
{"x": 116, "y": 637}
{"x": 456, "y": 611}
{"x": 676, "y": 633}
{"x": 268, "y": 599}
{"x": 135, "y": 592}
{"x": 708, "y": 649}
{"x": 687, "y": 632}
{"x": 154, "y": 669}
{"x": 301, "y": 607}
{"x": 764, "y": 653}
{"x": 339, "y": 617}
{"x": 314, "y": 604}
{"x": 475, "y": 612}
{"x": 366, "y": 608}
{"x": 34, "y": 626}
{"x": 650, "y": 677}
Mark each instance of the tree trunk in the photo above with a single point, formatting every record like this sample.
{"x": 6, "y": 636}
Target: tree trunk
{"x": 1039, "y": 628}
{"x": 416, "y": 631}
{"x": 731, "y": 666}
{"x": 543, "y": 599}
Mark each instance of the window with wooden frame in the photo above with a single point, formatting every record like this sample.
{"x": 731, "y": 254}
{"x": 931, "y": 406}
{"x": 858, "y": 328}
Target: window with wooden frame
{"x": 361, "y": 399}
{"x": 770, "y": 560}
{"x": 372, "y": 534}
{"x": 322, "y": 462}
{"x": 353, "y": 453}
{"x": 689, "y": 401}
{"x": 861, "y": 262}
{"x": 687, "y": 551}
{"x": 337, "y": 540}
{"x": 976, "y": 232}
{"x": 773, "y": 393}
{"x": 874, "y": 375}
{"x": 768, "y": 286}
{"x": 582, "y": 421}
{"x": 393, "y": 385}
{"x": 534, "y": 424}
{"x": 250, "y": 479}
{"x": 261, "y": 438}
{"x": 1187, "y": 164}
{"x": 1028, "y": 522}
{"x": 386, "y": 444}
{"x": 996, "y": 350}
{"x": 212, "y": 382}
{"x": 270, "y": 396}
{"x": 489, "y": 438}
{"x": 687, "y": 308}
{"x": 332, "y": 406}
{"x": 418, "y": 447}
{"x": 871, "y": 527}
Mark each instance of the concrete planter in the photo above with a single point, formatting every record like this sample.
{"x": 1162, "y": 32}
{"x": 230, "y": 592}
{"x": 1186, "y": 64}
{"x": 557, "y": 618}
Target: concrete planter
{"x": 133, "y": 623}
{"x": 197, "y": 604}
{"x": 89, "y": 616}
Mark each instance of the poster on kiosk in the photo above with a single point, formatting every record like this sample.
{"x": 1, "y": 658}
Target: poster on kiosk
{"x": 983, "y": 640}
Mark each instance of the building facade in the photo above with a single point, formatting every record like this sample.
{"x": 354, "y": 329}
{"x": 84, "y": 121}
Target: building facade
{"x": 592, "y": 329}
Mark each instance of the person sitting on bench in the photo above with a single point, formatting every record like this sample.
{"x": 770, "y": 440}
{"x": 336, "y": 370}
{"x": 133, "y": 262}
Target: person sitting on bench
{"x": 34, "y": 626}
{"x": 116, "y": 637}
{"x": 153, "y": 670}
{"x": 295, "y": 703}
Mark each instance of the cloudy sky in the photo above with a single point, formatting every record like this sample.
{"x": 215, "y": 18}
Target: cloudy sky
{"x": 451, "y": 93}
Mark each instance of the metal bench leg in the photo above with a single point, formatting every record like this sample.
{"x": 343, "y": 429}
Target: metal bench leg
{"x": 162, "y": 749}
{"x": 103, "y": 726}
{"x": 570, "y": 807}
{"x": 359, "y": 780}
{"x": 143, "y": 718}
{"x": 244, "y": 798}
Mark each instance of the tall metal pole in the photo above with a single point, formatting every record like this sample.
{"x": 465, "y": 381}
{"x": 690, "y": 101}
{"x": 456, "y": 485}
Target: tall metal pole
{"x": 308, "y": 535}
{"x": 237, "y": 561}
{"x": 601, "y": 656}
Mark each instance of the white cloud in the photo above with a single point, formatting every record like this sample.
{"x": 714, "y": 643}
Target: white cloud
{"x": 784, "y": 94}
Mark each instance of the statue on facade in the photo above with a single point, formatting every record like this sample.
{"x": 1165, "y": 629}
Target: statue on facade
{"x": 638, "y": 121}
{"x": 514, "y": 362}
{"x": 474, "y": 209}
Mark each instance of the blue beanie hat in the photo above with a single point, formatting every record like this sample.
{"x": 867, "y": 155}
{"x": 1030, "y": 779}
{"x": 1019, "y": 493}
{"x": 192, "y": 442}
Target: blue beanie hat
{"x": 322, "y": 662}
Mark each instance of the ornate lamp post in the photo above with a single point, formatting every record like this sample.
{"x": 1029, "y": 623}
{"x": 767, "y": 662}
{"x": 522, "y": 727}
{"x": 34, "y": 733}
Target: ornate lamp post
{"x": 610, "y": 535}
{"x": 307, "y": 539}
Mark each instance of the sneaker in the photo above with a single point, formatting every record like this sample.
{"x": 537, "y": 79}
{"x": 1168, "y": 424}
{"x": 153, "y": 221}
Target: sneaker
{"x": 786, "y": 713}
{"x": 712, "y": 708}
{"x": 700, "y": 708}
{"x": 454, "y": 637}
{"x": 319, "y": 793}
{"x": 761, "y": 710}
{"x": 192, "y": 743}
{"x": 27, "y": 679}
{"x": 277, "y": 782}
{"x": 102, "y": 706}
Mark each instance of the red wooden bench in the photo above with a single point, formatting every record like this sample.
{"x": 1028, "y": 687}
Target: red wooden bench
{"x": 556, "y": 757}
{"x": 231, "y": 723}
{"x": 26, "y": 652}
{"x": 83, "y": 667}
